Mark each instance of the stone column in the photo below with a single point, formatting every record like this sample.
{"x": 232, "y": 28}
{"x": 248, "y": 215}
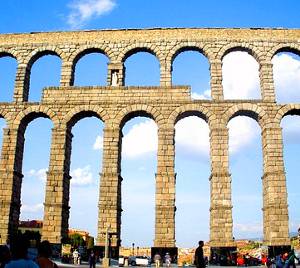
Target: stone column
{"x": 166, "y": 74}
{"x": 10, "y": 183}
{"x": 165, "y": 190}
{"x": 275, "y": 211}
{"x": 56, "y": 211}
{"x": 110, "y": 188}
{"x": 119, "y": 69}
{"x": 220, "y": 189}
{"x": 67, "y": 74}
{"x": 216, "y": 80}
{"x": 22, "y": 83}
{"x": 266, "y": 81}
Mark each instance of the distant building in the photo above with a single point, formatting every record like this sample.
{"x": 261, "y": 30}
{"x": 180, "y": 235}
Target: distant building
{"x": 37, "y": 226}
{"x": 85, "y": 235}
{"x": 31, "y": 225}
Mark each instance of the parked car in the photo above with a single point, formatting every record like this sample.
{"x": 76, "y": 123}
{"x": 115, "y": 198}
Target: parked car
{"x": 139, "y": 260}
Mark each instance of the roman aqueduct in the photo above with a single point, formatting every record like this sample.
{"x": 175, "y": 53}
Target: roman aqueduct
{"x": 115, "y": 104}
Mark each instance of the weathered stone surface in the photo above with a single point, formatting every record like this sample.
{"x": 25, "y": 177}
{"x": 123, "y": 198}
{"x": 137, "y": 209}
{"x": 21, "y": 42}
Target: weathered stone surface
{"x": 166, "y": 104}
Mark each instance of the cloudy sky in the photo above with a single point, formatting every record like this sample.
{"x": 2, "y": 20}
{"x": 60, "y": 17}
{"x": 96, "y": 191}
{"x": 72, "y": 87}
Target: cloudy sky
{"x": 240, "y": 81}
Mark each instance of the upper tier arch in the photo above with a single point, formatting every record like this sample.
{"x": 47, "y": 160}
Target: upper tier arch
{"x": 140, "y": 47}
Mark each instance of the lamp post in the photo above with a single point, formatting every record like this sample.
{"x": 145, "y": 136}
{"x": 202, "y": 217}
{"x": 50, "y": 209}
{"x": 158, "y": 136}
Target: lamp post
{"x": 106, "y": 260}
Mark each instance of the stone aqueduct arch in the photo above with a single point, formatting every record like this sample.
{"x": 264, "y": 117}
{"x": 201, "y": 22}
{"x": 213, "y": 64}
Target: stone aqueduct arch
{"x": 166, "y": 104}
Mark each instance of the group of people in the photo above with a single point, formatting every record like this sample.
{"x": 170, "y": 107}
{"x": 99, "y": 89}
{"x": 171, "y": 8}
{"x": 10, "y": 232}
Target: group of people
{"x": 167, "y": 259}
{"x": 199, "y": 258}
{"x": 16, "y": 257}
{"x": 286, "y": 260}
{"x": 77, "y": 258}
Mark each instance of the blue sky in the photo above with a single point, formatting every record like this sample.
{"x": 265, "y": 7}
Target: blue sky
{"x": 140, "y": 140}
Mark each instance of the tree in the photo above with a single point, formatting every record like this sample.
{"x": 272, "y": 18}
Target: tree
{"x": 90, "y": 242}
{"x": 76, "y": 240}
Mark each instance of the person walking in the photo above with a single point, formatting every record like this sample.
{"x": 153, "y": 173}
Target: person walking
{"x": 279, "y": 262}
{"x": 157, "y": 259}
{"x": 75, "y": 256}
{"x": 44, "y": 254}
{"x": 199, "y": 256}
{"x": 92, "y": 259}
{"x": 168, "y": 259}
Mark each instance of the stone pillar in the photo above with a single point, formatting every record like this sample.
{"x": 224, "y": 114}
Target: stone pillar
{"x": 119, "y": 69}
{"x": 220, "y": 190}
{"x": 165, "y": 190}
{"x": 216, "y": 80}
{"x": 56, "y": 212}
{"x": 10, "y": 183}
{"x": 166, "y": 74}
{"x": 67, "y": 74}
{"x": 22, "y": 81}
{"x": 275, "y": 210}
{"x": 110, "y": 188}
{"x": 266, "y": 81}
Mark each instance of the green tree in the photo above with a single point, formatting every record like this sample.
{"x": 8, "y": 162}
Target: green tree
{"x": 90, "y": 242}
{"x": 76, "y": 240}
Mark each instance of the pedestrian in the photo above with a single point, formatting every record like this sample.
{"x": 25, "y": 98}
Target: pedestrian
{"x": 44, "y": 254}
{"x": 157, "y": 259}
{"x": 279, "y": 261}
{"x": 75, "y": 256}
{"x": 5, "y": 256}
{"x": 199, "y": 257}
{"x": 264, "y": 259}
{"x": 290, "y": 261}
{"x": 19, "y": 252}
{"x": 92, "y": 259}
{"x": 168, "y": 259}
{"x": 247, "y": 259}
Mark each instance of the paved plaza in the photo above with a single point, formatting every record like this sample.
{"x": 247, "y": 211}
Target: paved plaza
{"x": 84, "y": 265}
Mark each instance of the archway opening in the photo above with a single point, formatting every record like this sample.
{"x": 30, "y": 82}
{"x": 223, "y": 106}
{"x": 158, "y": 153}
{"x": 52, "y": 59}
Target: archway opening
{"x": 142, "y": 69}
{"x": 286, "y": 73}
{"x": 240, "y": 76}
{"x": 45, "y": 72}
{"x": 91, "y": 70}
{"x": 8, "y": 69}
{"x": 35, "y": 165}
{"x": 191, "y": 67}
{"x": 139, "y": 150}
{"x": 245, "y": 158}
{"x": 192, "y": 181}
{"x": 291, "y": 147}
{"x": 86, "y": 165}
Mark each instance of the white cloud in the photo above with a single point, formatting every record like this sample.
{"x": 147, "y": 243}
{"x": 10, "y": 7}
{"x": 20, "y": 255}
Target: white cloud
{"x": 294, "y": 225}
{"x": 205, "y": 96}
{"x": 251, "y": 227}
{"x": 140, "y": 139}
{"x": 192, "y": 133}
{"x": 291, "y": 129}
{"x": 240, "y": 76}
{"x": 84, "y": 10}
{"x": 242, "y": 131}
{"x": 82, "y": 176}
{"x": 241, "y": 80}
{"x": 40, "y": 174}
{"x": 32, "y": 208}
{"x": 98, "y": 145}
{"x": 286, "y": 78}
